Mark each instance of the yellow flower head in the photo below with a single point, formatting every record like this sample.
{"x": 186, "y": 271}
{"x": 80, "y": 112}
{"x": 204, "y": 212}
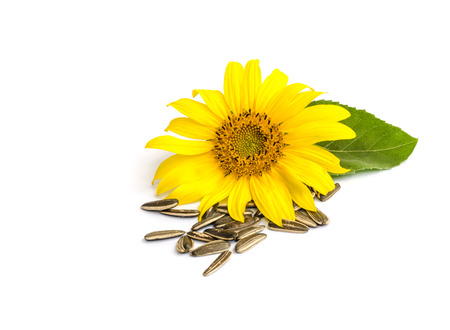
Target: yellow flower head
{"x": 256, "y": 141}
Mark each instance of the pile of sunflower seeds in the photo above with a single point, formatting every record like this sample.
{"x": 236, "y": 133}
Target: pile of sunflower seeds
{"x": 247, "y": 234}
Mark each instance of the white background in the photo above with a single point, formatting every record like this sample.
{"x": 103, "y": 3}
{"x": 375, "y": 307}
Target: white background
{"x": 84, "y": 85}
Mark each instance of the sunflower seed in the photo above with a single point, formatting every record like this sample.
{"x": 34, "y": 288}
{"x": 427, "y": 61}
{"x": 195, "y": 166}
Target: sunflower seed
{"x": 210, "y": 248}
{"x": 304, "y": 219}
{"x": 222, "y": 209}
{"x": 251, "y": 204}
{"x": 324, "y": 198}
{"x": 296, "y": 207}
{"x": 248, "y": 212}
{"x": 222, "y": 222}
{"x": 219, "y": 262}
{"x": 223, "y": 234}
{"x": 236, "y": 225}
{"x": 162, "y": 234}
{"x": 258, "y": 214}
{"x": 207, "y": 221}
{"x": 181, "y": 213}
{"x": 249, "y": 242}
{"x": 325, "y": 218}
{"x": 185, "y": 244}
{"x": 316, "y": 216}
{"x": 289, "y": 226}
{"x": 210, "y": 211}
{"x": 160, "y": 205}
{"x": 199, "y": 236}
{"x": 250, "y": 231}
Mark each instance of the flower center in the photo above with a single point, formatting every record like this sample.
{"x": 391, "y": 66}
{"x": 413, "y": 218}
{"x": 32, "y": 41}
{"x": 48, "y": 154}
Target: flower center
{"x": 248, "y": 144}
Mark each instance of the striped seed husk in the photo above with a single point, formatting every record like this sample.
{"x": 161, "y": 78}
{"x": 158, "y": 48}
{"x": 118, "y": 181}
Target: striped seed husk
{"x": 249, "y": 242}
{"x": 289, "y": 226}
{"x": 207, "y": 221}
{"x": 213, "y": 247}
{"x": 222, "y": 209}
{"x": 185, "y": 244}
{"x": 219, "y": 262}
{"x": 163, "y": 234}
{"x": 324, "y": 198}
{"x": 199, "y": 236}
{"x": 318, "y": 216}
{"x": 304, "y": 218}
{"x": 182, "y": 213}
{"x": 325, "y": 218}
{"x": 237, "y": 225}
{"x": 210, "y": 211}
{"x": 222, "y": 222}
{"x": 160, "y": 205}
{"x": 251, "y": 204}
{"x": 250, "y": 231}
{"x": 223, "y": 234}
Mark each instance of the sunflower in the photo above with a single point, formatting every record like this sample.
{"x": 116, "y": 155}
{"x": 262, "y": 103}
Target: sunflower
{"x": 256, "y": 141}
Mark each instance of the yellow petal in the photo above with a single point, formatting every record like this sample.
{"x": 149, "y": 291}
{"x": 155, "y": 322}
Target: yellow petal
{"x": 322, "y": 112}
{"x": 276, "y": 81}
{"x": 196, "y": 111}
{"x": 179, "y": 146}
{"x": 238, "y": 199}
{"x": 300, "y": 102}
{"x": 194, "y": 191}
{"x": 192, "y": 168}
{"x": 169, "y": 164}
{"x": 283, "y": 98}
{"x": 190, "y": 129}
{"x": 300, "y": 193}
{"x": 215, "y": 101}
{"x": 316, "y": 154}
{"x": 307, "y": 172}
{"x": 232, "y": 86}
{"x": 272, "y": 197}
{"x": 251, "y": 84}
{"x": 314, "y": 132}
{"x": 220, "y": 192}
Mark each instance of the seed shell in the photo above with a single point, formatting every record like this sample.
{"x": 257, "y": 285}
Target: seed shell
{"x": 163, "y": 234}
{"x": 318, "y": 217}
{"x": 160, "y": 205}
{"x": 199, "y": 236}
{"x": 325, "y": 218}
{"x": 237, "y": 226}
{"x": 222, "y": 222}
{"x": 250, "y": 231}
{"x": 249, "y": 242}
{"x": 289, "y": 226}
{"x": 222, "y": 209}
{"x": 184, "y": 244}
{"x": 324, "y": 198}
{"x": 315, "y": 216}
{"x": 182, "y": 213}
{"x": 210, "y": 211}
{"x": 223, "y": 234}
{"x": 219, "y": 262}
{"x": 304, "y": 219}
{"x": 210, "y": 248}
{"x": 251, "y": 204}
{"x": 207, "y": 221}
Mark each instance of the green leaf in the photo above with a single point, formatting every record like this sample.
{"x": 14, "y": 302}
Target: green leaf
{"x": 377, "y": 145}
